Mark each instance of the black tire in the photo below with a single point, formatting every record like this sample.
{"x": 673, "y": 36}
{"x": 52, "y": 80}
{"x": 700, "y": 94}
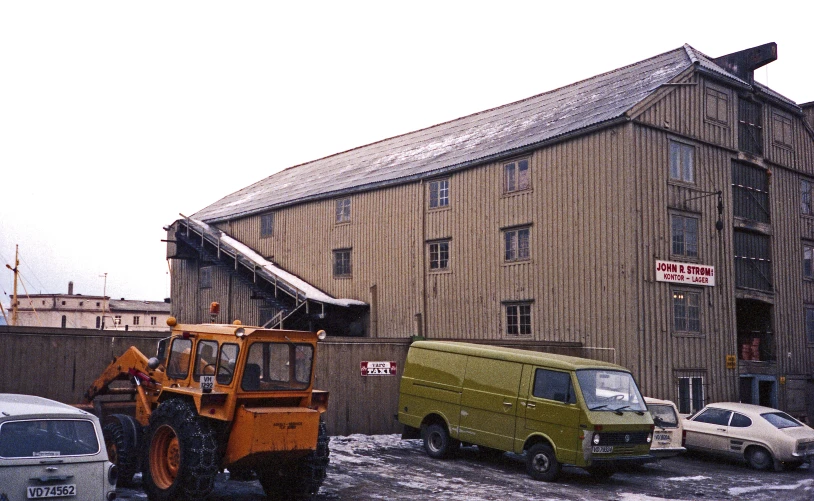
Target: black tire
{"x": 121, "y": 439}
{"x": 181, "y": 459}
{"x": 301, "y": 480}
{"x": 437, "y": 442}
{"x": 759, "y": 458}
{"x": 541, "y": 463}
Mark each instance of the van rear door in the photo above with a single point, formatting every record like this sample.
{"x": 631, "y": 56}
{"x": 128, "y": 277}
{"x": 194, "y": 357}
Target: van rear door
{"x": 489, "y": 402}
{"x": 551, "y": 409}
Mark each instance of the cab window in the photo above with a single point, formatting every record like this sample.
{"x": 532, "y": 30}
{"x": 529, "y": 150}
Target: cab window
{"x": 226, "y": 362}
{"x": 278, "y": 366}
{"x": 553, "y": 385}
{"x": 205, "y": 359}
{"x": 178, "y": 365}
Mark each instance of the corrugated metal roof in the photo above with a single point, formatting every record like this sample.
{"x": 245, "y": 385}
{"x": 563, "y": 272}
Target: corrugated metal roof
{"x": 466, "y": 141}
{"x": 115, "y": 305}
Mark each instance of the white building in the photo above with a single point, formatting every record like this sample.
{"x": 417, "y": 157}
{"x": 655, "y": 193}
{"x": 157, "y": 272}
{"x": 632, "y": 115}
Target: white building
{"x": 78, "y": 311}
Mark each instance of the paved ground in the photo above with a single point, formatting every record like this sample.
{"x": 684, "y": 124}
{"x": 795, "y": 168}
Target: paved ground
{"x": 385, "y": 467}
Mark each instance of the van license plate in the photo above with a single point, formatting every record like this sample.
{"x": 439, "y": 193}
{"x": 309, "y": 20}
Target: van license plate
{"x": 52, "y": 491}
{"x": 662, "y": 437}
{"x": 602, "y": 449}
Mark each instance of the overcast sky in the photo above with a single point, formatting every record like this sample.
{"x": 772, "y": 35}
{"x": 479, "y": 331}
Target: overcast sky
{"x": 117, "y": 116}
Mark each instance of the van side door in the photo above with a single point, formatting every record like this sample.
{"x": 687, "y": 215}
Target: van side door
{"x": 489, "y": 402}
{"x": 550, "y": 408}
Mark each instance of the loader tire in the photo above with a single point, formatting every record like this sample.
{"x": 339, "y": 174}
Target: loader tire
{"x": 181, "y": 459}
{"x": 302, "y": 479}
{"x": 121, "y": 438}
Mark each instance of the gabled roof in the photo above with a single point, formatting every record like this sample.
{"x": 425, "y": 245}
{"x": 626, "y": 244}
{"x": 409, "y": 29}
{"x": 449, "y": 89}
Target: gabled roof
{"x": 471, "y": 140}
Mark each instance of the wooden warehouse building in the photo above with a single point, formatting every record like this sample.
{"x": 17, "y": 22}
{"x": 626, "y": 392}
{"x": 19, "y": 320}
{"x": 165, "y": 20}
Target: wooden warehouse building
{"x": 659, "y": 216}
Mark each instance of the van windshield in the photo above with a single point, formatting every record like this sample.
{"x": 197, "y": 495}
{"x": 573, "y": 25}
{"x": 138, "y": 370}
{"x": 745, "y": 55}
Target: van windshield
{"x": 609, "y": 390}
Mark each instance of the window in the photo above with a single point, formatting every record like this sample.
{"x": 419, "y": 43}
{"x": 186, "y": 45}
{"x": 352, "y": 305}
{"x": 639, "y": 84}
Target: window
{"x": 682, "y": 162}
{"x": 135, "y": 320}
{"x": 206, "y": 277}
{"x": 63, "y": 303}
{"x": 343, "y": 210}
{"x": 439, "y": 193}
{"x": 690, "y": 394}
{"x": 553, "y": 385}
{"x": 81, "y": 303}
{"x": 518, "y": 319}
{"x": 267, "y": 225}
{"x": 64, "y": 321}
{"x": 686, "y": 312}
{"x": 227, "y": 362}
{"x": 740, "y": 421}
{"x": 809, "y": 320}
{"x": 277, "y": 366}
{"x": 684, "y": 235}
{"x": 753, "y": 263}
{"x": 516, "y": 176}
{"x": 712, "y": 415}
{"x": 805, "y": 197}
{"x": 717, "y": 105}
{"x": 439, "y": 255}
{"x": 782, "y": 130}
{"x": 98, "y": 304}
{"x": 750, "y": 192}
{"x": 98, "y": 322}
{"x": 516, "y": 244}
{"x": 153, "y": 320}
{"x": 117, "y": 320}
{"x": 178, "y": 364}
{"x": 750, "y": 127}
{"x": 33, "y": 438}
{"x": 808, "y": 271}
{"x": 342, "y": 266}
{"x": 205, "y": 359}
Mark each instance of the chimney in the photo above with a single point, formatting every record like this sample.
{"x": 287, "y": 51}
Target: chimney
{"x": 70, "y": 288}
{"x": 744, "y": 62}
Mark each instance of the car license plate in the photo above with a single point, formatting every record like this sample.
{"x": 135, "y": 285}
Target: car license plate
{"x": 602, "y": 449}
{"x": 52, "y": 491}
{"x": 662, "y": 437}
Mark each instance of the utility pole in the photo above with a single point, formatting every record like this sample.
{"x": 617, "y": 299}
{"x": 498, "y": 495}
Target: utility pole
{"x": 16, "y": 272}
{"x": 104, "y": 301}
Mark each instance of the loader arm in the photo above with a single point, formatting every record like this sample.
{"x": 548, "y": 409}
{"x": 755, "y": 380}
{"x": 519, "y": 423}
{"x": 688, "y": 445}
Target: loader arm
{"x": 132, "y": 364}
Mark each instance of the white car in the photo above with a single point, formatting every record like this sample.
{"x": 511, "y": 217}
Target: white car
{"x": 762, "y": 436}
{"x": 668, "y": 434}
{"x": 52, "y": 450}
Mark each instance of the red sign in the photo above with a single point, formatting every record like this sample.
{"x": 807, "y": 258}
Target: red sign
{"x": 378, "y": 368}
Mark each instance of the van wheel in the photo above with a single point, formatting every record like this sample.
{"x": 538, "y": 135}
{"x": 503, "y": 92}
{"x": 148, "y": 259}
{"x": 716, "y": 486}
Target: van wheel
{"x": 437, "y": 442}
{"x": 541, "y": 463}
{"x": 759, "y": 458}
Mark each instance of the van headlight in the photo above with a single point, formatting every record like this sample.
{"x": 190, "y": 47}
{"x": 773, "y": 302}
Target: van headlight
{"x": 596, "y": 439}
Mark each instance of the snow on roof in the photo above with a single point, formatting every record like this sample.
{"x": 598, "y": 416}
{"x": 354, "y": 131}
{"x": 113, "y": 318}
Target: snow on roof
{"x": 301, "y": 285}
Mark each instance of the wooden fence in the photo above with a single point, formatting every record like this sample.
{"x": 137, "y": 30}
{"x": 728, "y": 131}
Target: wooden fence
{"x": 60, "y": 364}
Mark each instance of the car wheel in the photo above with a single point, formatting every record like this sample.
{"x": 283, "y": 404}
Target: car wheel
{"x": 759, "y": 458}
{"x": 182, "y": 453}
{"x": 541, "y": 463}
{"x": 437, "y": 442}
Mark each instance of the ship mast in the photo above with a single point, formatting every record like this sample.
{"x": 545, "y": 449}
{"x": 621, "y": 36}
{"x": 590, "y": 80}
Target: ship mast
{"x": 14, "y": 296}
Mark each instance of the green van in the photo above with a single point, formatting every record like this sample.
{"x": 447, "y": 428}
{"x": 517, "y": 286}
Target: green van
{"x": 556, "y": 409}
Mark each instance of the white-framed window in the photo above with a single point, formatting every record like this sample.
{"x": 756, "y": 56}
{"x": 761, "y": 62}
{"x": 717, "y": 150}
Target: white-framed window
{"x": 117, "y": 320}
{"x": 684, "y": 235}
{"x": 518, "y": 319}
{"x": 135, "y": 320}
{"x": 516, "y": 244}
{"x": 343, "y": 210}
{"x": 690, "y": 394}
{"x": 267, "y": 225}
{"x": 342, "y": 263}
{"x": 153, "y": 320}
{"x": 439, "y": 255}
{"x": 682, "y": 162}
{"x": 805, "y": 197}
{"x": 439, "y": 193}
{"x": 686, "y": 312}
{"x": 717, "y": 105}
{"x": 516, "y": 176}
{"x": 809, "y": 324}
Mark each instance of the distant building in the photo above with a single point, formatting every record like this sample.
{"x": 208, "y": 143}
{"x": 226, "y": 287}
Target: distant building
{"x": 77, "y": 311}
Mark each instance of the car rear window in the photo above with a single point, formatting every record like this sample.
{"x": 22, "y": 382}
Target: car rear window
{"x": 47, "y": 438}
{"x": 781, "y": 420}
{"x": 663, "y": 415}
